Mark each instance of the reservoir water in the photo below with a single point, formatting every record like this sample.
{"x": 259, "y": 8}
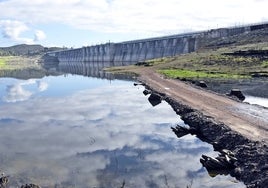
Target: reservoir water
{"x": 77, "y": 131}
{"x": 257, "y": 100}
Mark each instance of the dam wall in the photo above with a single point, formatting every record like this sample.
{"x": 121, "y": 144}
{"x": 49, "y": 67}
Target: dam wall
{"x": 131, "y": 52}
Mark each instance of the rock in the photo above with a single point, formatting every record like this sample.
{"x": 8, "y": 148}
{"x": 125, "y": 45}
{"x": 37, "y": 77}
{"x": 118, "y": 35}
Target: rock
{"x": 202, "y": 84}
{"x": 3, "y": 181}
{"x": 155, "y": 99}
{"x": 180, "y": 109}
{"x": 146, "y": 92}
{"x": 47, "y": 59}
{"x": 222, "y": 164}
{"x": 30, "y": 186}
{"x": 182, "y": 79}
{"x": 138, "y": 84}
{"x": 182, "y": 131}
{"x": 237, "y": 93}
{"x": 259, "y": 75}
{"x": 49, "y": 62}
{"x": 143, "y": 63}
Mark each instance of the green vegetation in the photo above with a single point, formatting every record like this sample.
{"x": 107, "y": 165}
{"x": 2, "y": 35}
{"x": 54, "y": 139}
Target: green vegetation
{"x": 18, "y": 63}
{"x": 6, "y": 62}
{"x": 22, "y": 49}
{"x": 159, "y": 61}
{"x": 22, "y": 58}
{"x": 26, "y": 50}
{"x": 180, "y": 73}
{"x": 211, "y": 63}
{"x": 3, "y": 62}
{"x": 265, "y": 64}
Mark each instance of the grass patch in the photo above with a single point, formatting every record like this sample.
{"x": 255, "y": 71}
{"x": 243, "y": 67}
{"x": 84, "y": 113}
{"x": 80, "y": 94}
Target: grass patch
{"x": 18, "y": 62}
{"x": 212, "y": 64}
{"x": 181, "y": 73}
{"x": 159, "y": 61}
{"x": 264, "y": 64}
{"x": 3, "y": 61}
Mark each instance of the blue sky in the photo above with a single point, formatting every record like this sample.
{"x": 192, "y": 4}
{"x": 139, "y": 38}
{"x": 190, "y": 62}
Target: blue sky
{"x": 76, "y": 23}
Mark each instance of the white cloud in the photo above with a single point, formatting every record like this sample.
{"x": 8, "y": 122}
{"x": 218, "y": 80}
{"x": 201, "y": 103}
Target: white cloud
{"x": 140, "y": 16}
{"x": 118, "y": 20}
{"x": 13, "y": 29}
{"x": 39, "y": 35}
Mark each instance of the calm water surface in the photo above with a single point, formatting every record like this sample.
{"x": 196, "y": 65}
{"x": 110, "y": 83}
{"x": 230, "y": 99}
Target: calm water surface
{"x": 75, "y": 131}
{"x": 257, "y": 100}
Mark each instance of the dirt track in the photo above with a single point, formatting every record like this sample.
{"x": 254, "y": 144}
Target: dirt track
{"x": 249, "y": 120}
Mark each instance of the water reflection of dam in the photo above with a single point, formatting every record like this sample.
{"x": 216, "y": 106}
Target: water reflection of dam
{"x": 91, "y": 69}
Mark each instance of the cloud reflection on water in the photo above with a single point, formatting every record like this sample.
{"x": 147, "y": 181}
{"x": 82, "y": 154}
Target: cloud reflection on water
{"x": 100, "y": 137}
{"x": 42, "y": 86}
{"x": 17, "y": 92}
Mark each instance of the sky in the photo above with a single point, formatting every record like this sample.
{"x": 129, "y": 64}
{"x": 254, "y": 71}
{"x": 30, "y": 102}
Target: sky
{"x": 77, "y": 23}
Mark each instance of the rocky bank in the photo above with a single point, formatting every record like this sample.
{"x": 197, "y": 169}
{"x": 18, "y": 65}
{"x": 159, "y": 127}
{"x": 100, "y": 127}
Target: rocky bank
{"x": 251, "y": 166}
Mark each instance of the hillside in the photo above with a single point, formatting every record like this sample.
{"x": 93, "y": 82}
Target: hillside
{"x": 26, "y": 50}
{"x": 19, "y": 60}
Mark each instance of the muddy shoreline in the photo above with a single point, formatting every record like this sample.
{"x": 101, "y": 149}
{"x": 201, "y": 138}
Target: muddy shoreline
{"x": 257, "y": 87}
{"x": 251, "y": 166}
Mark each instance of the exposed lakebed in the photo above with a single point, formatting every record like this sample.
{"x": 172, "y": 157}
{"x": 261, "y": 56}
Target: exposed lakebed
{"x": 75, "y": 131}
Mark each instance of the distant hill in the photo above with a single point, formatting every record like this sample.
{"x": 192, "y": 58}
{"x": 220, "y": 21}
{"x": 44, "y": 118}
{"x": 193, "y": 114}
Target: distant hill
{"x": 25, "y": 49}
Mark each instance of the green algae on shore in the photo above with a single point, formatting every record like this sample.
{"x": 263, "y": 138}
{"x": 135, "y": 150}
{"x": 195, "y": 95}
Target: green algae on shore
{"x": 181, "y": 73}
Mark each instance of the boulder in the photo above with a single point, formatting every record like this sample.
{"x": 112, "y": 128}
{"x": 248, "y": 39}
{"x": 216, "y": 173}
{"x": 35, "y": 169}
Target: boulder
{"x": 3, "y": 181}
{"x": 30, "y": 186}
{"x": 155, "y": 99}
{"x": 182, "y": 131}
{"x": 202, "y": 84}
{"x": 221, "y": 164}
{"x": 146, "y": 92}
{"x": 138, "y": 84}
{"x": 237, "y": 93}
{"x": 259, "y": 75}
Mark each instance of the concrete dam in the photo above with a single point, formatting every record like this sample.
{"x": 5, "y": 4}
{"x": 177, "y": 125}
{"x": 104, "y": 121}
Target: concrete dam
{"x": 131, "y": 52}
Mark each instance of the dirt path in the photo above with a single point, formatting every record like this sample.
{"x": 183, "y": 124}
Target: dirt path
{"x": 249, "y": 120}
